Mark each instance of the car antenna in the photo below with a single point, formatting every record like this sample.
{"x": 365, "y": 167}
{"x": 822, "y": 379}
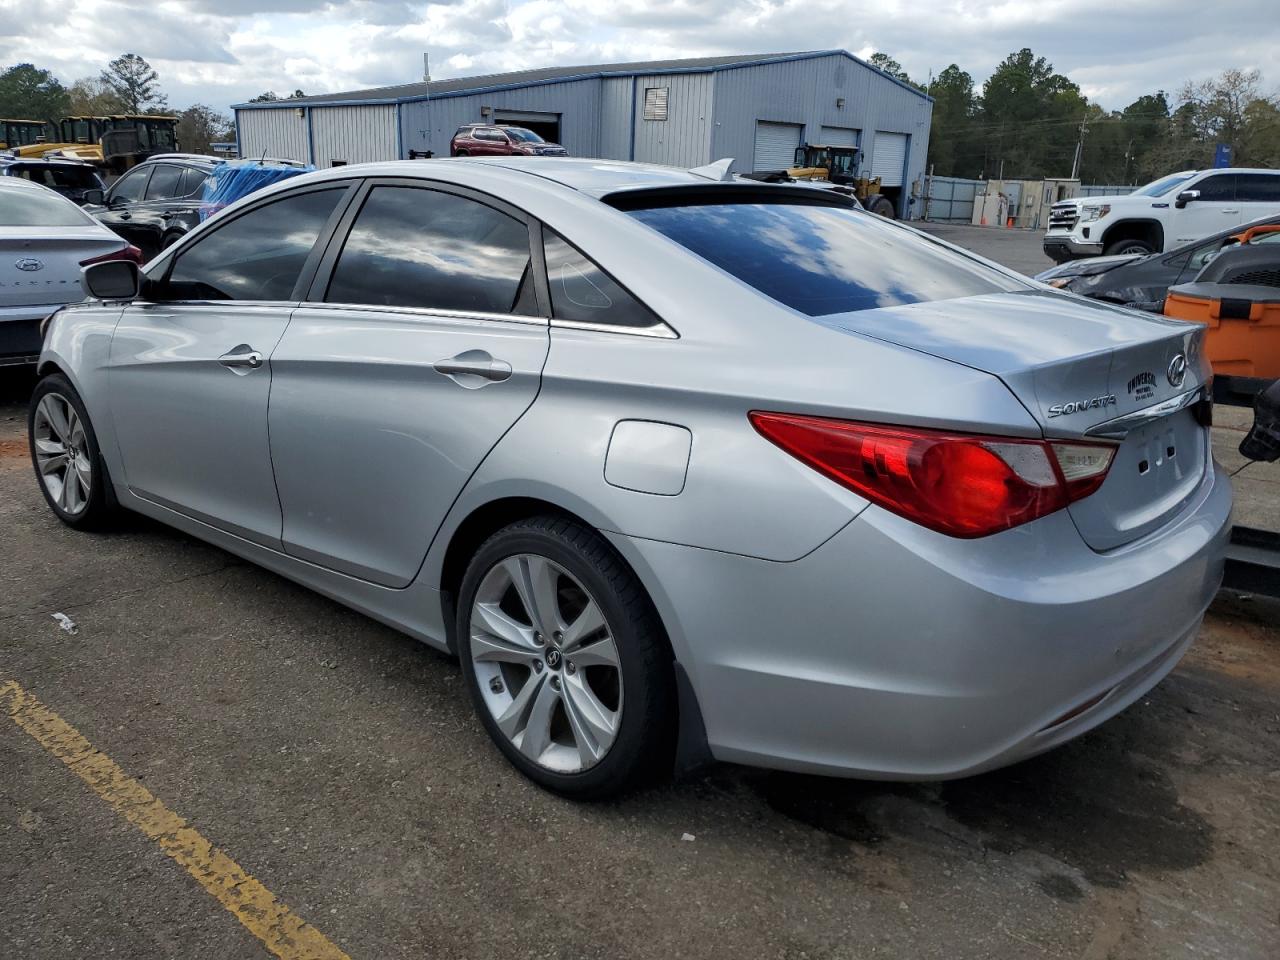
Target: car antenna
{"x": 718, "y": 171}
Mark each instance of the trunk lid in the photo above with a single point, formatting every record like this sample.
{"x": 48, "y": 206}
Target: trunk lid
{"x": 1076, "y": 364}
{"x": 46, "y": 269}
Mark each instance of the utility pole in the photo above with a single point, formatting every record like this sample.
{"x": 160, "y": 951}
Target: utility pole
{"x": 426, "y": 67}
{"x": 1075, "y": 162}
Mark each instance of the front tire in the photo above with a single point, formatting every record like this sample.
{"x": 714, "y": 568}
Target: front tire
{"x": 566, "y": 660}
{"x": 65, "y": 455}
{"x": 1131, "y": 246}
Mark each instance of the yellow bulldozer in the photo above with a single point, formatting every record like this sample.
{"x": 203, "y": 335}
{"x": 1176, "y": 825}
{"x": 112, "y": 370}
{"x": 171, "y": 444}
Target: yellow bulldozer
{"x": 837, "y": 165}
{"x": 114, "y": 143}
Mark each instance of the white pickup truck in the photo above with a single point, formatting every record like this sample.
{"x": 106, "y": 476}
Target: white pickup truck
{"x": 1162, "y": 215}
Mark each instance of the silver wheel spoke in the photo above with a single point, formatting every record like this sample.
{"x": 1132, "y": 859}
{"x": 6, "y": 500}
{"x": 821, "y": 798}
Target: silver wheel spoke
{"x": 50, "y": 447}
{"x": 512, "y": 720}
{"x": 590, "y": 621}
{"x": 64, "y": 492}
{"x": 537, "y": 729}
{"x": 83, "y": 474}
{"x": 490, "y": 618}
{"x": 600, "y": 653}
{"x": 55, "y": 462}
{"x": 56, "y": 417}
{"x": 535, "y": 582}
{"x": 594, "y": 725}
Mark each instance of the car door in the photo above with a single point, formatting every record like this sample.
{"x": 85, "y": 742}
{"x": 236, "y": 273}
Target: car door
{"x": 189, "y": 375}
{"x": 1213, "y": 210}
{"x": 1258, "y": 195}
{"x": 421, "y": 343}
{"x": 120, "y": 200}
{"x": 149, "y": 216}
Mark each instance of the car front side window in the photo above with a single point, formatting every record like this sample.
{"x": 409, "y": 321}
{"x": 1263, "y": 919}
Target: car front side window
{"x": 129, "y": 187}
{"x": 416, "y": 247}
{"x": 257, "y": 256}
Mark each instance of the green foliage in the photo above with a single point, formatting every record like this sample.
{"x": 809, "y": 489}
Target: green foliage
{"x": 271, "y": 96}
{"x": 136, "y": 83}
{"x": 200, "y": 126}
{"x": 1029, "y": 120}
{"x": 92, "y": 97}
{"x": 30, "y": 93}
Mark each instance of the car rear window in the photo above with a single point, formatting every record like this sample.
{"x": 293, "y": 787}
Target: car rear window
{"x": 37, "y": 208}
{"x": 75, "y": 178}
{"x": 822, "y": 260}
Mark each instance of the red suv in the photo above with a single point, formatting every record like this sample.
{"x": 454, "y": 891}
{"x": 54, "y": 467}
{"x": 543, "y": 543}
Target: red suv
{"x": 481, "y": 140}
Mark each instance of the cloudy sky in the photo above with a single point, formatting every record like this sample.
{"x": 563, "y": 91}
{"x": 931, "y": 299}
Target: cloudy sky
{"x": 224, "y": 51}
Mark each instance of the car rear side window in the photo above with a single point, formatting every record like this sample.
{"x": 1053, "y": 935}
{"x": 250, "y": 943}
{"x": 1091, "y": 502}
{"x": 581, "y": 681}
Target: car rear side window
{"x": 257, "y": 256}
{"x": 414, "y": 247}
{"x": 192, "y": 183}
{"x": 583, "y": 293}
{"x": 1258, "y": 187}
{"x": 164, "y": 182}
{"x": 30, "y": 207}
{"x": 821, "y": 259}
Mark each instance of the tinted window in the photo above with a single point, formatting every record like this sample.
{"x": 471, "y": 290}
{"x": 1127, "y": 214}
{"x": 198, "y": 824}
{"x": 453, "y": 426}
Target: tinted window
{"x": 1159, "y": 188}
{"x": 164, "y": 182}
{"x": 29, "y": 207}
{"x": 491, "y": 135}
{"x": 411, "y": 247}
{"x": 524, "y": 136}
{"x": 1218, "y": 188}
{"x": 129, "y": 187}
{"x": 822, "y": 260}
{"x": 583, "y": 292}
{"x": 1258, "y": 187}
{"x": 257, "y": 256}
{"x": 192, "y": 183}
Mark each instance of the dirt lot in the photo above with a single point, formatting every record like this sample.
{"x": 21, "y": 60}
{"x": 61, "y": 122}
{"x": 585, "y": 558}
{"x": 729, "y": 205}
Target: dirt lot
{"x": 339, "y": 765}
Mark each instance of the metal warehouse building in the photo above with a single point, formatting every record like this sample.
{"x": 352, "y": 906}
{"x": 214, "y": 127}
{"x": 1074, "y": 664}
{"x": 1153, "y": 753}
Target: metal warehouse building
{"x": 756, "y": 108}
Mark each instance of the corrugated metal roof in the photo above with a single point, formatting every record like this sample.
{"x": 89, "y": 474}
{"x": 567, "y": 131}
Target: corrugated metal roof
{"x": 495, "y": 81}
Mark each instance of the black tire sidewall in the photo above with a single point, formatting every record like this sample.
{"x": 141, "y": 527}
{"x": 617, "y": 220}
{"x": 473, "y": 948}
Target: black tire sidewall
{"x": 97, "y": 508}
{"x": 638, "y": 748}
{"x": 1118, "y": 248}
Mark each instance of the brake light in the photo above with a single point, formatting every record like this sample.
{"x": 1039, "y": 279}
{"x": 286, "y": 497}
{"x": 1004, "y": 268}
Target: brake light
{"x": 963, "y": 485}
{"x": 127, "y": 252}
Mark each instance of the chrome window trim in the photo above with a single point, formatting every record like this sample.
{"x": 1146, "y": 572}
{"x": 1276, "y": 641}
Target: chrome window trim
{"x": 1119, "y": 428}
{"x": 428, "y": 313}
{"x": 659, "y": 331}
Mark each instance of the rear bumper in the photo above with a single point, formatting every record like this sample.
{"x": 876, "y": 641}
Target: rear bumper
{"x": 1062, "y": 248}
{"x": 20, "y": 339}
{"x": 893, "y": 652}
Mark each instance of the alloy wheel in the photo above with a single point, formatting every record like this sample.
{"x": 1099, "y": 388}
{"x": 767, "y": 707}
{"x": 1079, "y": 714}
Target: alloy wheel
{"x": 546, "y": 663}
{"x": 62, "y": 453}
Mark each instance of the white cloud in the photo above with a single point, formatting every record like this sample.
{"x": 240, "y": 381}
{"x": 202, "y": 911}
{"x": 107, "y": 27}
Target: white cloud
{"x": 224, "y": 51}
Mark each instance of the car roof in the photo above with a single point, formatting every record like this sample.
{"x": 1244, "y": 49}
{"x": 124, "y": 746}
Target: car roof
{"x": 596, "y": 178}
{"x": 49, "y": 161}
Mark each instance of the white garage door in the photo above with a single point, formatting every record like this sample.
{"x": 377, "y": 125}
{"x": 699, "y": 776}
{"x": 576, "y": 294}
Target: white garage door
{"x": 890, "y": 158}
{"x": 839, "y": 137}
{"x": 776, "y": 145}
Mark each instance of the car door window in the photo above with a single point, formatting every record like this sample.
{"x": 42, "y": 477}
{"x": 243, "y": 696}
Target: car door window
{"x": 257, "y": 256}
{"x": 164, "y": 182}
{"x": 192, "y": 182}
{"x": 583, "y": 293}
{"x": 129, "y": 187}
{"x": 415, "y": 247}
{"x": 1217, "y": 189}
{"x": 1258, "y": 187}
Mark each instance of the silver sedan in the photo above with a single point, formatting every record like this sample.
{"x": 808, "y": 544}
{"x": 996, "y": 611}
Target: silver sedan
{"x": 680, "y": 467}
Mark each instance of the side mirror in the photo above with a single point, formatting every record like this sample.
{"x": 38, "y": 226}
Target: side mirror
{"x": 111, "y": 280}
{"x": 94, "y": 196}
{"x": 1263, "y": 441}
{"x": 1185, "y": 197}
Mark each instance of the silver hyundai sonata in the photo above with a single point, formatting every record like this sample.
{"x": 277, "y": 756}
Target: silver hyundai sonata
{"x": 679, "y": 467}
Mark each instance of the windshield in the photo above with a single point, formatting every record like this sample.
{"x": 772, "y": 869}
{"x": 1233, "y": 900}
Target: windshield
{"x": 1162, "y": 186}
{"x": 28, "y": 207}
{"x": 822, "y": 260}
{"x": 523, "y": 135}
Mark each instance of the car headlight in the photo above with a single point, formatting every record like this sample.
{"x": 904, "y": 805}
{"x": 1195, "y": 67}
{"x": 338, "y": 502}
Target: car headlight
{"x": 1094, "y": 212}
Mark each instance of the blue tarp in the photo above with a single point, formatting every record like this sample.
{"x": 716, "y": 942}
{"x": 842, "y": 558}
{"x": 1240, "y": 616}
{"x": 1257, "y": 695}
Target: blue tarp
{"x": 238, "y": 178}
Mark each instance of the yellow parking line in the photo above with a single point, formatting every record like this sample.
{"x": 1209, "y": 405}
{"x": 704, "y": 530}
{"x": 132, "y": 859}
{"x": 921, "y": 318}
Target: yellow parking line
{"x": 284, "y": 933}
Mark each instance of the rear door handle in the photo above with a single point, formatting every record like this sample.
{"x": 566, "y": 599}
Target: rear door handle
{"x": 471, "y": 367}
{"x": 243, "y": 357}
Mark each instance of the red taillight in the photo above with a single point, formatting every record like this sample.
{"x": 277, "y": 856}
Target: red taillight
{"x": 963, "y": 485}
{"x": 127, "y": 252}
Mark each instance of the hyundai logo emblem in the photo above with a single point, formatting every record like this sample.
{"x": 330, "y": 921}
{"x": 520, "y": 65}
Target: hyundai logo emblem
{"x": 29, "y": 264}
{"x": 1177, "y": 371}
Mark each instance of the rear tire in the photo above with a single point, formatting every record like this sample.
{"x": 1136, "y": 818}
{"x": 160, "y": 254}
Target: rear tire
{"x": 463, "y": 153}
{"x": 66, "y": 457}
{"x": 566, "y": 661}
{"x": 1130, "y": 246}
{"x": 881, "y": 206}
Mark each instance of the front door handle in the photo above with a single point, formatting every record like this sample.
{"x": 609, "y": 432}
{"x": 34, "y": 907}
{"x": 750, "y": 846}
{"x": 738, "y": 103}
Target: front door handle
{"x": 241, "y": 357}
{"x": 473, "y": 368}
